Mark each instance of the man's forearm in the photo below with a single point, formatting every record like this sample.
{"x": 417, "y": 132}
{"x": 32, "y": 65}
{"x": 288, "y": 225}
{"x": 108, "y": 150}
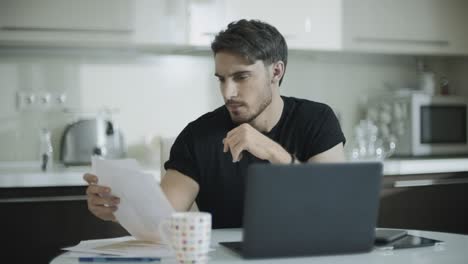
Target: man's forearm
{"x": 278, "y": 155}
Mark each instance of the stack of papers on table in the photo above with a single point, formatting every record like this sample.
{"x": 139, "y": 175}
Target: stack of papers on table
{"x": 124, "y": 247}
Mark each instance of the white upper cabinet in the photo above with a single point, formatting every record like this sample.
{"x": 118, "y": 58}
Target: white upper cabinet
{"x": 92, "y": 22}
{"x": 160, "y": 22}
{"x": 384, "y": 26}
{"x": 402, "y": 26}
{"x": 305, "y": 24}
{"x": 68, "y": 15}
{"x": 205, "y": 19}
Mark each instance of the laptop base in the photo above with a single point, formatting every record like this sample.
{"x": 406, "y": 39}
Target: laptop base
{"x": 234, "y": 246}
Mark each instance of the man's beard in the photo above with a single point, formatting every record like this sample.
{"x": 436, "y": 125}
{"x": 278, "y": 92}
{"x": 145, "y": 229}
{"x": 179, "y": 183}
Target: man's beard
{"x": 262, "y": 106}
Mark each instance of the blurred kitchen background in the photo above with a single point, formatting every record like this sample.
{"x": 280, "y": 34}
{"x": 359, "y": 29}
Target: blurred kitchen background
{"x": 149, "y": 61}
{"x": 148, "y": 66}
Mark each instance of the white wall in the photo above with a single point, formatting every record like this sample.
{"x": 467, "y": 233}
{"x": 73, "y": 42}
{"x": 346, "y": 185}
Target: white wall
{"x": 459, "y": 75}
{"x": 19, "y": 131}
{"x": 156, "y": 97}
{"x": 159, "y": 95}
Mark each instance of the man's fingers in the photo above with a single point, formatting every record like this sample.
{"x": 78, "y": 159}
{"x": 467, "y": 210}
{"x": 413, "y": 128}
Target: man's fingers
{"x": 100, "y": 201}
{"x": 239, "y": 157}
{"x": 232, "y": 132}
{"x": 103, "y": 210}
{"x": 228, "y": 143}
{"x": 105, "y": 213}
{"x": 97, "y": 189}
{"x": 236, "y": 151}
{"x": 90, "y": 178}
{"x": 226, "y": 146}
{"x": 96, "y": 200}
{"x": 235, "y": 145}
{"x": 231, "y": 138}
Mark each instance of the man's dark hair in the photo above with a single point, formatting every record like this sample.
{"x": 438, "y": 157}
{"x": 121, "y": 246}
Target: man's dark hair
{"x": 253, "y": 39}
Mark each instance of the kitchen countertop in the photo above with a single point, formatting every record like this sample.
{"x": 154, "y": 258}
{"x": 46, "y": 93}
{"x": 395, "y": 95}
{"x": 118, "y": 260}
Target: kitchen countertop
{"x": 394, "y": 167}
{"x": 28, "y": 174}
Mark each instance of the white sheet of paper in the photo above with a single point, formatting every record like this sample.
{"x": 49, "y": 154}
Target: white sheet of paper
{"x": 143, "y": 205}
{"x": 121, "y": 246}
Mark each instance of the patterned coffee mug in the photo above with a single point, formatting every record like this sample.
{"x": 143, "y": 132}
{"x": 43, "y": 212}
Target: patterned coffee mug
{"x": 189, "y": 235}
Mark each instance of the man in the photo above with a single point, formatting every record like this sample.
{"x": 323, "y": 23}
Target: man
{"x": 209, "y": 159}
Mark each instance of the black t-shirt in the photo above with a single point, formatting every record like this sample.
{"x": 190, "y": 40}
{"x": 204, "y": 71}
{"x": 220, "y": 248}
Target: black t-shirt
{"x": 305, "y": 129}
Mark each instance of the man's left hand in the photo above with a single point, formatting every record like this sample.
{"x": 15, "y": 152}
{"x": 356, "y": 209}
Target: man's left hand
{"x": 245, "y": 137}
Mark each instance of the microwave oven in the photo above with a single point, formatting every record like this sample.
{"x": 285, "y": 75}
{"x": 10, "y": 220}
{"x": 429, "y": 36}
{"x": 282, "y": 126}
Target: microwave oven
{"x": 422, "y": 124}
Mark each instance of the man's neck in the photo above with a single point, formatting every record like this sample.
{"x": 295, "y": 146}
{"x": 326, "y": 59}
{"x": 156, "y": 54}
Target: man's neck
{"x": 270, "y": 116}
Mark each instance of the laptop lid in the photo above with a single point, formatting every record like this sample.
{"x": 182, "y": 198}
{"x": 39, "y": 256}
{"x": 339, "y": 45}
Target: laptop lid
{"x": 310, "y": 209}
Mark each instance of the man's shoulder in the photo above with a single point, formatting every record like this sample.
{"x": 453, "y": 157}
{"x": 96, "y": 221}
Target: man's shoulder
{"x": 305, "y": 108}
{"x": 209, "y": 120}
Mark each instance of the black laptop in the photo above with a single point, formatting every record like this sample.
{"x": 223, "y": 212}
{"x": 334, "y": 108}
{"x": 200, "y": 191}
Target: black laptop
{"x": 309, "y": 209}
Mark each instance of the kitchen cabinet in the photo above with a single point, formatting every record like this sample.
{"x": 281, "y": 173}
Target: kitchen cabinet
{"x": 387, "y": 26}
{"x": 92, "y": 23}
{"x": 400, "y": 26}
{"x": 160, "y": 22}
{"x": 37, "y": 222}
{"x": 68, "y": 15}
{"x": 205, "y": 19}
{"x": 305, "y": 24}
{"x": 436, "y": 202}
{"x": 43, "y": 212}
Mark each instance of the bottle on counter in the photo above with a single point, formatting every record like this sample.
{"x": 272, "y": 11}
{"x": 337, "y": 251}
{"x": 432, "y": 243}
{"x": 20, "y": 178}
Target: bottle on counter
{"x": 426, "y": 78}
{"x": 45, "y": 150}
{"x": 444, "y": 86}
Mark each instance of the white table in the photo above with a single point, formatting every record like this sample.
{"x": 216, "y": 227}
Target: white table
{"x": 454, "y": 250}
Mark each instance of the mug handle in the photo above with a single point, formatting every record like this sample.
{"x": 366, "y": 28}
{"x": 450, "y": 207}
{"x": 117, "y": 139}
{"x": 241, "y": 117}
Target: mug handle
{"x": 165, "y": 233}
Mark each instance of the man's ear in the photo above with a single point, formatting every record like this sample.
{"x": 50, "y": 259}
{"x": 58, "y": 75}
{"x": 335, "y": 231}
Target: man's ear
{"x": 278, "y": 71}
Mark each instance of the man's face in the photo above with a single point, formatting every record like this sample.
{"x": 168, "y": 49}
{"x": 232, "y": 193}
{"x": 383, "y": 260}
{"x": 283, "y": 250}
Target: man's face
{"x": 246, "y": 87}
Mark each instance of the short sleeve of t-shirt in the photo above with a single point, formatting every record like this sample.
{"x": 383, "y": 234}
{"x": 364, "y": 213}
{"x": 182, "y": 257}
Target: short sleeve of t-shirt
{"x": 182, "y": 157}
{"x": 323, "y": 134}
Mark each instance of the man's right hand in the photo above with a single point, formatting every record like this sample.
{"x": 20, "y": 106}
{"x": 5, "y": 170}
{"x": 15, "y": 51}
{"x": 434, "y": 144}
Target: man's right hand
{"x": 100, "y": 201}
